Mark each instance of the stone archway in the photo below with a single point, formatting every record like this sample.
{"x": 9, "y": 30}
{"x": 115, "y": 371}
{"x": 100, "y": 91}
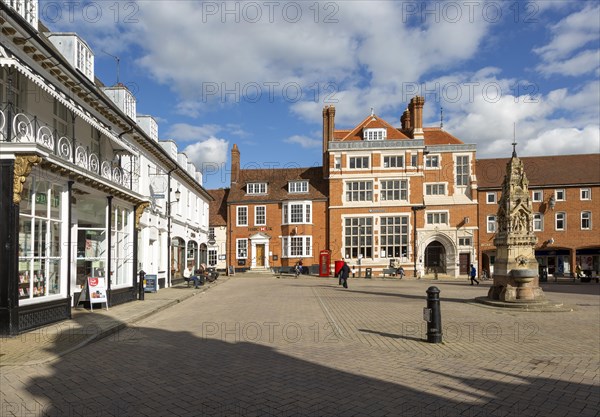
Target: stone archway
{"x": 435, "y": 258}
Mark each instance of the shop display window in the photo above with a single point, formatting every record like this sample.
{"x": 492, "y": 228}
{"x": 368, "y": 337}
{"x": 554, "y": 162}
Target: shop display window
{"x": 40, "y": 239}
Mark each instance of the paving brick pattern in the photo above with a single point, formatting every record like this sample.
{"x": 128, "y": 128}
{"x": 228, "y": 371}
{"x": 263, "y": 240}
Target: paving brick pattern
{"x": 306, "y": 347}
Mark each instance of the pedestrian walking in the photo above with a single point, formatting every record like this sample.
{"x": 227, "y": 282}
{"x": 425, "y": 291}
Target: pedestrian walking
{"x": 473, "y": 275}
{"x": 344, "y": 274}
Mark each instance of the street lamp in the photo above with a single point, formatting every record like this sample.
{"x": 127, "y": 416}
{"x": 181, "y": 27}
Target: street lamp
{"x": 415, "y": 209}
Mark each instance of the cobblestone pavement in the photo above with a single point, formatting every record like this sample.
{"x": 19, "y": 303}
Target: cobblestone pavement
{"x": 307, "y": 347}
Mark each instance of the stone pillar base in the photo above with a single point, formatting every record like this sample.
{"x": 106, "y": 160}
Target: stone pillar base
{"x": 511, "y": 293}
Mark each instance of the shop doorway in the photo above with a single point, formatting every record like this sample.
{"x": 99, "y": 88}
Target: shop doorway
{"x": 435, "y": 258}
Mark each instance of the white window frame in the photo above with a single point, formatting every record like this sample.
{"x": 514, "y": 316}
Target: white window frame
{"x": 337, "y": 162}
{"x": 435, "y": 186}
{"x": 563, "y": 216}
{"x": 256, "y": 215}
{"x": 375, "y": 134}
{"x": 466, "y": 174}
{"x": 212, "y": 257}
{"x": 363, "y": 159}
{"x": 368, "y": 191}
{"x": 237, "y": 215}
{"x": 490, "y": 223}
{"x": 429, "y": 160}
{"x": 537, "y": 196}
{"x": 240, "y": 249}
{"x": 298, "y": 187}
{"x": 560, "y": 191}
{"x": 402, "y": 190}
{"x": 306, "y": 246}
{"x": 437, "y": 217}
{"x": 306, "y": 212}
{"x": 492, "y": 200}
{"x": 395, "y": 158}
{"x": 538, "y": 218}
{"x": 256, "y": 188}
{"x": 589, "y": 220}
{"x": 585, "y": 193}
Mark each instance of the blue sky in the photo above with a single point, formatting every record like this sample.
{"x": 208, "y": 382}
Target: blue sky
{"x": 258, "y": 73}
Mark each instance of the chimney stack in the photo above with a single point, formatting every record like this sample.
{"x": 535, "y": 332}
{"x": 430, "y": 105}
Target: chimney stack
{"x": 235, "y": 164}
{"x": 405, "y": 121}
{"x": 415, "y": 108}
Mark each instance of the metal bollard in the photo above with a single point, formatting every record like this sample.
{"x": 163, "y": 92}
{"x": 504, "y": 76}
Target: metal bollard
{"x": 433, "y": 315}
{"x": 141, "y": 285}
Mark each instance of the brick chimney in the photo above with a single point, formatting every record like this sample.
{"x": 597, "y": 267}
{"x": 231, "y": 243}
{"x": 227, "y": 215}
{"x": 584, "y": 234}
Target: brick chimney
{"x": 415, "y": 107}
{"x": 328, "y": 128}
{"x": 235, "y": 164}
{"x": 405, "y": 121}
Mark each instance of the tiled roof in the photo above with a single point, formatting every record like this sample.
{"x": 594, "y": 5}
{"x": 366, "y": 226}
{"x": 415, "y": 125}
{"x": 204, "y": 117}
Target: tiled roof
{"x": 437, "y": 136}
{"x": 374, "y": 122}
{"x": 218, "y": 207}
{"x": 277, "y": 184}
{"x": 543, "y": 170}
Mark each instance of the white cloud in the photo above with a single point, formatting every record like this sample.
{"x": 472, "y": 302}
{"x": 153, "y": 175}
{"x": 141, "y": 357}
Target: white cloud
{"x": 565, "y": 53}
{"x": 186, "y": 132}
{"x": 208, "y": 155}
{"x": 304, "y": 141}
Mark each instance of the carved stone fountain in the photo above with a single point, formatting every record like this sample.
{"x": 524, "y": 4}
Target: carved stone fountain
{"x": 516, "y": 269}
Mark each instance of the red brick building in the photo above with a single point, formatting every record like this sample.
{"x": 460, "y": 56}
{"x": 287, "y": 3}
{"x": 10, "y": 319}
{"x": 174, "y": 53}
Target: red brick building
{"x": 565, "y": 191}
{"x": 275, "y": 217}
{"x": 404, "y": 194}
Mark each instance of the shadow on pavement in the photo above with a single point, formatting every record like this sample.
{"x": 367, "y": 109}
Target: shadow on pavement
{"x": 141, "y": 371}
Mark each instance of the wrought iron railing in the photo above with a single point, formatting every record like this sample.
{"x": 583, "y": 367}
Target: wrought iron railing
{"x": 25, "y": 128}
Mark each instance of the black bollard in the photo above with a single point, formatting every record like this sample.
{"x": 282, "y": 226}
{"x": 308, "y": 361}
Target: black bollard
{"x": 141, "y": 287}
{"x": 433, "y": 315}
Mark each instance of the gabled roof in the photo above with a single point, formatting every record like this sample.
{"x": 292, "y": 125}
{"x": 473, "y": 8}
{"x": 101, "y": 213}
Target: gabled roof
{"x": 371, "y": 122}
{"x": 437, "y": 136}
{"x": 543, "y": 170}
{"x": 277, "y": 180}
{"x": 217, "y": 209}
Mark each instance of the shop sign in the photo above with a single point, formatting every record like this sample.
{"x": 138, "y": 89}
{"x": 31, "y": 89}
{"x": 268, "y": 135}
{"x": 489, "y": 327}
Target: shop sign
{"x": 259, "y": 229}
{"x": 95, "y": 292}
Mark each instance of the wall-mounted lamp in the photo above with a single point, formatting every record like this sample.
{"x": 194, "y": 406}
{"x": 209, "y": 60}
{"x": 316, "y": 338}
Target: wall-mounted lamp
{"x": 177, "y": 195}
{"x": 466, "y": 220}
{"x": 550, "y": 241}
{"x": 552, "y": 202}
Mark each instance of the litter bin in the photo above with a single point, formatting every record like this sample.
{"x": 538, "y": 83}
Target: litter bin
{"x": 368, "y": 272}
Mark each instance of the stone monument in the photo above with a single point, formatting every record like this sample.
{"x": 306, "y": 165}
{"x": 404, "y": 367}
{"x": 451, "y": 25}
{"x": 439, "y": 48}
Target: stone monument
{"x": 516, "y": 277}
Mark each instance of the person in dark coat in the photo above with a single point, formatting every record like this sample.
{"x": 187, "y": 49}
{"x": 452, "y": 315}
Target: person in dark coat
{"x": 344, "y": 274}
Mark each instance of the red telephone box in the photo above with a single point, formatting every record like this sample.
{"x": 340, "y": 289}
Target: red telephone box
{"x": 324, "y": 261}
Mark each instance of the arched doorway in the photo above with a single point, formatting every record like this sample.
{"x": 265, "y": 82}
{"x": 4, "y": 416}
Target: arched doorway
{"x": 192, "y": 254}
{"x": 435, "y": 258}
{"x": 203, "y": 254}
{"x": 177, "y": 257}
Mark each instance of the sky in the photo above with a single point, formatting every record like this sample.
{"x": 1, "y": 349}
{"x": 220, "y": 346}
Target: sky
{"x": 258, "y": 73}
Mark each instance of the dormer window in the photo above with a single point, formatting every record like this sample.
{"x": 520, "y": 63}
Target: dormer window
{"x": 298, "y": 186}
{"x": 374, "y": 134}
{"x": 85, "y": 60}
{"x": 257, "y": 188}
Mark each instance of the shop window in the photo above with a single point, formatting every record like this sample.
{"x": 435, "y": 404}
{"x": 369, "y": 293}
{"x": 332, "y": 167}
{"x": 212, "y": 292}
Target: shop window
{"x": 40, "y": 239}
{"x": 121, "y": 247}
{"x": 358, "y": 237}
{"x": 91, "y": 240}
